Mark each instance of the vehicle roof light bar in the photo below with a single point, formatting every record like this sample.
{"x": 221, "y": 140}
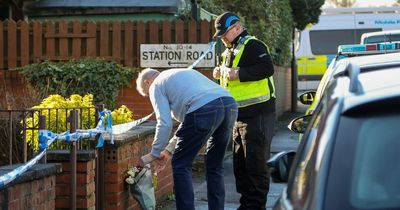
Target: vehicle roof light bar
{"x": 360, "y": 49}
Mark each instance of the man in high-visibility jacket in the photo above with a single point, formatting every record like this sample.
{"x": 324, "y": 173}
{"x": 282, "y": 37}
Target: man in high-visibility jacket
{"x": 246, "y": 72}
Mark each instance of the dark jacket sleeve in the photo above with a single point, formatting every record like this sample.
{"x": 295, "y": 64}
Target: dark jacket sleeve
{"x": 255, "y": 63}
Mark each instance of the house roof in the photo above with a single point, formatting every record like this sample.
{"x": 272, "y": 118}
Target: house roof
{"x": 87, "y": 7}
{"x": 106, "y": 3}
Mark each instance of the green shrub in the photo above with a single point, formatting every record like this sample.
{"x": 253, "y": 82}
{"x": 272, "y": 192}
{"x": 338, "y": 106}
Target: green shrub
{"x": 121, "y": 115}
{"x": 56, "y": 119}
{"x": 103, "y": 79}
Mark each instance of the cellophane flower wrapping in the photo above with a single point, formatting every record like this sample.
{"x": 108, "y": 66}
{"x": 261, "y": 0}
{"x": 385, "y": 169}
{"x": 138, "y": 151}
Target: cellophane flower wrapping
{"x": 140, "y": 183}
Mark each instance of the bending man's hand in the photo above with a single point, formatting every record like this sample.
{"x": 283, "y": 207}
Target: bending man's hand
{"x": 146, "y": 159}
{"x": 160, "y": 162}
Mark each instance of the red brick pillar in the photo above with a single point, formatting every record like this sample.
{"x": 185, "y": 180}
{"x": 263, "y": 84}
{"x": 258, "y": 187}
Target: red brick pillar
{"x": 85, "y": 189}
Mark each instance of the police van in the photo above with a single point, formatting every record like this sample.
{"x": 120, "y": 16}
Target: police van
{"x": 317, "y": 44}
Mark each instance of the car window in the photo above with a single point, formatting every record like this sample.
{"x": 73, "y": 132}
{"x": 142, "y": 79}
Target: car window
{"x": 365, "y": 168}
{"x": 374, "y": 182}
{"x": 382, "y": 38}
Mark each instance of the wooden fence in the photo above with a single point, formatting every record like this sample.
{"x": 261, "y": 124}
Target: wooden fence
{"x": 23, "y": 42}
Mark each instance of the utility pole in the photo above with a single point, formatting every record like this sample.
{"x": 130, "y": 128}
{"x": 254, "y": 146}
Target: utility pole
{"x": 294, "y": 74}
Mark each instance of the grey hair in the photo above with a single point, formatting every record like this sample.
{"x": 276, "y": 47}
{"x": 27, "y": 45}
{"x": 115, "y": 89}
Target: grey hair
{"x": 145, "y": 74}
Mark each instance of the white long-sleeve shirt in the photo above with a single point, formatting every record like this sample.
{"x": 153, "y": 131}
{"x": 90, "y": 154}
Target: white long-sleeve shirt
{"x": 178, "y": 92}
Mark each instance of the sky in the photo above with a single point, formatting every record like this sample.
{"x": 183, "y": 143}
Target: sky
{"x": 372, "y": 3}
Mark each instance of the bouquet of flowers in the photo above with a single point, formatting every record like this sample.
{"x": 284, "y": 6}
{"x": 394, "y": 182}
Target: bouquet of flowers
{"x": 132, "y": 172}
{"x": 141, "y": 186}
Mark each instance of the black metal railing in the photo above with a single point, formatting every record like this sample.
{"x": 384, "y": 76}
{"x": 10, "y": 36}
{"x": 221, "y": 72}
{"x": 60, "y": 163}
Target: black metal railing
{"x": 23, "y": 126}
{"x": 19, "y": 130}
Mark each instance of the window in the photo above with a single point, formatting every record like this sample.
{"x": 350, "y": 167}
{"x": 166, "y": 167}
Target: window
{"x": 360, "y": 32}
{"x": 376, "y": 171}
{"x": 365, "y": 167}
{"x": 382, "y": 38}
{"x": 325, "y": 42}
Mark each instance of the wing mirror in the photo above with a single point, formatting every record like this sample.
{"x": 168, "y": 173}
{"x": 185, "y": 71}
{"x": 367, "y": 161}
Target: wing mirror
{"x": 307, "y": 98}
{"x": 280, "y": 165}
{"x": 300, "y": 124}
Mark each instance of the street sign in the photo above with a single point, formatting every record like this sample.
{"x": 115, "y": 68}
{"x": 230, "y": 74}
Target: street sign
{"x": 175, "y": 55}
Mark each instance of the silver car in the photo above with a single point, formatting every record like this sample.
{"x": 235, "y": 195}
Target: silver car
{"x": 349, "y": 155}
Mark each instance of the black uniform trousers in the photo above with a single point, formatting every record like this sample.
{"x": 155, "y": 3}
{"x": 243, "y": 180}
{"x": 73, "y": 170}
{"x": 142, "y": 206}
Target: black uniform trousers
{"x": 252, "y": 138}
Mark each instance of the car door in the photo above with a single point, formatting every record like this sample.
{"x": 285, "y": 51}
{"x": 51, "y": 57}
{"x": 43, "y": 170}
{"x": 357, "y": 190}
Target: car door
{"x": 310, "y": 168}
{"x": 297, "y": 194}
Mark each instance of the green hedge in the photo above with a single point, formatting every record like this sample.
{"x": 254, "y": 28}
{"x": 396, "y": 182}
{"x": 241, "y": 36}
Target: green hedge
{"x": 101, "y": 78}
{"x": 279, "y": 31}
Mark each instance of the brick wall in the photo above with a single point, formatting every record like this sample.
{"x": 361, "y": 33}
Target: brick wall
{"x": 12, "y": 90}
{"x": 36, "y": 189}
{"x": 38, "y": 194}
{"x": 128, "y": 148}
{"x": 125, "y": 153}
{"x": 283, "y": 86}
{"x": 85, "y": 188}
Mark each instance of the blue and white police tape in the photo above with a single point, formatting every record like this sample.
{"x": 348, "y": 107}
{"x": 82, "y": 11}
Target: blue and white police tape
{"x": 212, "y": 45}
{"x": 10, "y": 176}
{"x": 46, "y": 138}
{"x": 122, "y": 128}
{"x": 101, "y": 128}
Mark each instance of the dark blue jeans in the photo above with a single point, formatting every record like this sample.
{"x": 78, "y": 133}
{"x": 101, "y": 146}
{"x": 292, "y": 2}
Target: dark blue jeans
{"x": 212, "y": 124}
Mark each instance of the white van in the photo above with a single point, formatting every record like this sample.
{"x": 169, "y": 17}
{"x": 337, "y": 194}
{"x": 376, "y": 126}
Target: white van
{"x": 337, "y": 26}
{"x": 381, "y": 36}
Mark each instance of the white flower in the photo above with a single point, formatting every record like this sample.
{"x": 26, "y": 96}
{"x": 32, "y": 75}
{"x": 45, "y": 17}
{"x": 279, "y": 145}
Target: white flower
{"x": 131, "y": 173}
{"x": 130, "y": 180}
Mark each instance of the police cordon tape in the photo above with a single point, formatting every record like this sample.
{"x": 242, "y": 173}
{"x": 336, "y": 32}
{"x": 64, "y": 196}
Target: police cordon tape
{"x": 212, "y": 45}
{"x": 122, "y": 128}
{"x": 46, "y": 137}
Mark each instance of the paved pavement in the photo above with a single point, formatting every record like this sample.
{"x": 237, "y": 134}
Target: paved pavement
{"x": 284, "y": 139}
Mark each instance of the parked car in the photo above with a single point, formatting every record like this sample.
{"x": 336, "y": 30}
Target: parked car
{"x": 348, "y": 157}
{"x": 380, "y": 36}
{"x": 339, "y": 63}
